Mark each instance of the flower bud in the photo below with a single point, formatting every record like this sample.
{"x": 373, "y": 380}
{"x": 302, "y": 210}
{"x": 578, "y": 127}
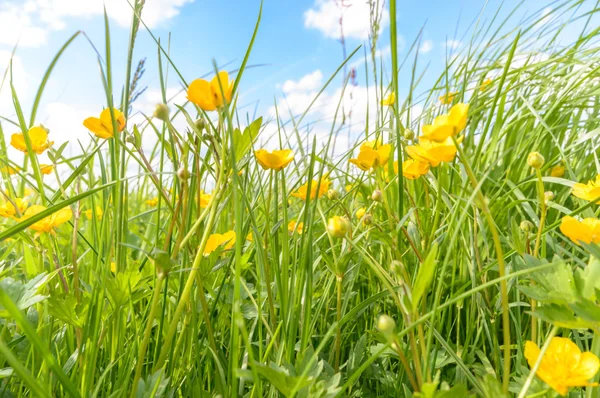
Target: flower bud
{"x": 548, "y": 196}
{"x": 332, "y": 194}
{"x": 526, "y": 226}
{"x": 409, "y": 134}
{"x": 183, "y": 173}
{"x": 535, "y": 160}
{"x": 200, "y": 124}
{"x": 162, "y": 112}
{"x": 386, "y": 324}
{"x": 367, "y": 219}
{"x": 557, "y": 171}
{"x": 338, "y": 226}
{"x": 130, "y": 139}
{"x": 377, "y": 196}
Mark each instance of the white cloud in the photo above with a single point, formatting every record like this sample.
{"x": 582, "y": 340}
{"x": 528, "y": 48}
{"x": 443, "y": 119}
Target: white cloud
{"x": 31, "y": 22}
{"x": 426, "y": 47}
{"x": 312, "y": 81}
{"x": 325, "y": 17}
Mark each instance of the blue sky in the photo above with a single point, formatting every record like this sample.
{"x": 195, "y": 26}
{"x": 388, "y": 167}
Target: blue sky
{"x": 296, "y": 45}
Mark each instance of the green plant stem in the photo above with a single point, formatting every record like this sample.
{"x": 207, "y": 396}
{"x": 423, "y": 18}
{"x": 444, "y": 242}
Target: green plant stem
{"x": 501, "y": 267}
{"x": 538, "y": 240}
{"x": 147, "y": 333}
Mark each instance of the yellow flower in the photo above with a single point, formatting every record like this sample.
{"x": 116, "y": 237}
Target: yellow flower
{"x": 563, "y": 364}
{"x": 360, "y": 212}
{"x": 557, "y": 171}
{"x": 449, "y": 125}
{"x": 299, "y": 227}
{"x": 89, "y": 213}
{"x": 433, "y": 152}
{"x": 46, "y": 168}
{"x": 448, "y": 97}
{"x": 338, "y": 226}
{"x": 275, "y": 160}
{"x": 152, "y": 202}
{"x": 208, "y": 96}
{"x": 390, "y": 100}
{"x": 249, "y": 237}
{"x": 38, "y": 137}
{"x": 49, "y": 223}
{"x": 349, "y": 187}
{"x": 412, "y": 169}
{"x": 302, "y": 192}
{"x": 589, "y": 191}
{"x": 372, "y": 154}
{"x": 113, "y": 267}
{"x": 485, "y": 84}
{"x": 9, "y": 170}
{"x": 586, "y": 231}
{"x": 216, "y": 240}
{"x": 102, "y": 127}
{"x": 9, "y": 210}
{"x": 205, "y": 199}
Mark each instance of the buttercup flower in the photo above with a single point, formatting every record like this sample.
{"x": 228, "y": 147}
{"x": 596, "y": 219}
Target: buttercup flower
{"x": 557, "y": 171}
{"x": 152, "y": 202}
{"x": 275, "y": 160}
{"x": 216, "y": 240}
{"x": 8, "y": 209}
{"x": 412, "y": 169}
{"x": 372, "y": 154}
{"x": 102, "y": 127}
{"x": 89, "y": 213}
{"x": 302, "y": 192}
{"x": 448, "y": 97}
{"x": 9, "y": 170}
{"x": 46, "y": 168}
{"x": 589, "y": 191}
{"x": 433, "y": 152}
{"x": 38, "y": 137}
{"x": 208, "y": 96}
{"x": 49, "y": 223}
{"x": 205, "y": 199}
{"x": 249, "y": 237}
{"x": 563, "y": 365}
{"x": 449, "y": 125}
{"x": 390, "y": 100}
{"x": 299, "y": 227}
{"x": 485, "y": 84}
{"x": 113, "y": 267}
{"x": 360, "y": 212}
{"x": 587, "y": 230}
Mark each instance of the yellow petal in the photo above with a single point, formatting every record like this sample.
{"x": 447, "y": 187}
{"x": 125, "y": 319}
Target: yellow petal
{"x": 200, "y": 93}
{"x": 96, "y": 126}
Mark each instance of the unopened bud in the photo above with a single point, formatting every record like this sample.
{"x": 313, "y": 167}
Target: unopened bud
{"x": 557, "y": 171}
{"x": 333, "y": 194}
{"x": 526, "y": 226}
{"x": 386, "y": 324}
{"x": 338, "y": 226}
{"x": 200, "y": 124}
{"x": 130, "y": 139}
{"x": 377, "y": 196}
{"x": 162, "y": 112}
{"x": 367, "y": 219}
{"x": 548, "y": 196}
{"x": 409, "y": 134}
{"x": 183, "y": 173}
{"x": 535, "y": 160}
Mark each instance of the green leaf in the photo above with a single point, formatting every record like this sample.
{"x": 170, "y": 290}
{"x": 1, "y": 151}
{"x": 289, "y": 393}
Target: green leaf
{"x": 23, "y": 295}
{"x": 587, "y": 280}
{"x": 424, "y": 276}
{"x": 243, "y": 142}
{"x": 68, "y": 310}
{"x": 281, "y": 379}
{"x": 155, "y": 386}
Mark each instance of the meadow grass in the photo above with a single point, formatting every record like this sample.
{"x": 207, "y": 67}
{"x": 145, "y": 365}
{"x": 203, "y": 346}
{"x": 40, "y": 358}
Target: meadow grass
{"x": 431, "y": 291}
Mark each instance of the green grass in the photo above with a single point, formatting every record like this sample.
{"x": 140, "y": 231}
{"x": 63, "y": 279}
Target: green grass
{"x": 296, "y": 314}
